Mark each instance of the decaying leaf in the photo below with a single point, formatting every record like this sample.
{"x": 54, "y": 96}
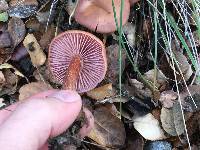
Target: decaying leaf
{"x": 9, "y": 66}
{"x": 129, "y": 30}
{"x": 140, "y": 89}
{"x": 160, "y": 77}
{"x": 37, "y": 55}
{"x": 32, "y": 88}
{"x": 2, "y": 78}
{"x": 3, "y": 5}
{"x": 172, "y": 120}
{"x": 16, "y": 28}
{"x": 47, "y": 37}
{"x": 22, "y": 9}
{"x": 43, "y": 14}
{"x": 167, "y": 98}
{"x": 188, "y": 103}
{"x": 70, "y": 6}
{"x": 33, "y": 24}
{"x": 167, "y": 121}
{"x": 102, "y": 92}
{"x": 5, "y": 39}
{"x": 178, "y": 118}
{"x": 185, "y": 67}
{"x": 149, "y": 127}
{"x": 108, "y": 130}
{"x": 113, "y": 62}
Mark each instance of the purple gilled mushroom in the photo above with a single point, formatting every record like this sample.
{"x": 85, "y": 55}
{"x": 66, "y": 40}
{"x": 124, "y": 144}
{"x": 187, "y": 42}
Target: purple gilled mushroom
{"x": 78, "y": 60}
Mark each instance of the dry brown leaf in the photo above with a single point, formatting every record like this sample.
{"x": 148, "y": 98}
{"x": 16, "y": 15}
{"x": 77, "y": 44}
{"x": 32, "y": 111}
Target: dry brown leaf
{"x": 33, "y": 24}
{"x": 160, "y": 77}
{"x": 108, "y": 130}
{"x": 101, "y": 93}
{"x": 3, "y": 5}
{"x": 185, "y": 67}
{"x": 168, "y": 98}
{"x": 2, "y": 78}
{"x": 142, "y": 91}
{"x": 167, "y": 121}
{"x": 32, "y": 88}
{"x": 149, "y": 127}
{"x": 5, "y": 40}
{"x": 187, "y": 101}
{"x": 47, "y": 37}
{"x": 113, "y": 62}
{"x": 37, "y": 55}
{"x": 16, "y": 28}
{"x": 129, "y": 29}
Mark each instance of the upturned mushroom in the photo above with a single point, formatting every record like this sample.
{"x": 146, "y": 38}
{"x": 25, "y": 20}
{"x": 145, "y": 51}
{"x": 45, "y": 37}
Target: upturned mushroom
{"x": 78, "y": 60}
{"x": 97, "y": 15}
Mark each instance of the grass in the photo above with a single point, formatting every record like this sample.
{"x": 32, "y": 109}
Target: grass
{"x": 170, "y": 30}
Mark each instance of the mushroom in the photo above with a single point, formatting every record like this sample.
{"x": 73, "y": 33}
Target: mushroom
{"x": 97, "y": 15}
{"x": 133, "y": 2}
{"x": 78, "y": 60}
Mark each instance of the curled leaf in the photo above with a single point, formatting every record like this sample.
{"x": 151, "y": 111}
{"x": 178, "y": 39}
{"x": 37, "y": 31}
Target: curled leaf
{"x": 37, "y": 55}
{"x": 16, "y": 28}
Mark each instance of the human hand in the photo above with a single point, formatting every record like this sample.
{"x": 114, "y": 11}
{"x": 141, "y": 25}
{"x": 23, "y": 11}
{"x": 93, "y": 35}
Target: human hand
{"x": 30, "y": 123}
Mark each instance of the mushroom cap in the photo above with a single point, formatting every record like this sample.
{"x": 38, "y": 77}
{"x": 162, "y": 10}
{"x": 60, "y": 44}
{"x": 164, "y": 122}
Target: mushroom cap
{"x": 132, "y": 2}
{"x": 92, "y": 54}
{"x": 97, "y": 15}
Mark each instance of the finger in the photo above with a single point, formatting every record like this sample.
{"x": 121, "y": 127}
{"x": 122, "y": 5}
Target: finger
{"x": 6, "y": 112}
{"x": 35, "y": 120}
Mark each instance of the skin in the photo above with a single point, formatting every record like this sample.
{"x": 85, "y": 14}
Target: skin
{"x": 30, "y": 123}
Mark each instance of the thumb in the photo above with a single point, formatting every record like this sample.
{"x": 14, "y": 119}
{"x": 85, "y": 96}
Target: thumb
{"x": 37, "y": 119}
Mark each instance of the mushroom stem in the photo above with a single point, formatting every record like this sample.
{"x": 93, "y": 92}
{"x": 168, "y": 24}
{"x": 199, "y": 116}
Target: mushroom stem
{"x": 72, "y": 73}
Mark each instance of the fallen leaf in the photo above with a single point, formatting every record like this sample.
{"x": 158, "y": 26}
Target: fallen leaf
{"x": 16, "y": 28}
{"x": 113, "y": 63}
{"x": 129, "y": 30}
{"x": 108, "y": 130}
{"x": 70, "y": 6}
{"x": 5, "y": 39}
{"x": 19, "y": 53}
{"x": 168, "y": 98}
{"x": 37, "y": 55}
{"x": 22, "y": 9}
{"x": 167, "y": 121}
{"x": 178, "y": 118}
{"x": 9, "y": 66}
{"x": 101, "y": 93}
{"x": 140, "y": 89}
{"x": 33, "y": 24}
{"x": 189, "y": 103}
{"x": 2, "y": 78}
{"x": 3, "y": 16}
{"x": 47, "y": 37}
{"x": 149, "y": 127}
{"x": 134, "y": 142}
{"x": 172, "y": 120}
{"x": 3, "y": 5}
{"x": 182, "y": 62}
{"x": 160, "y": 77}
{"x": 32, "y": 88}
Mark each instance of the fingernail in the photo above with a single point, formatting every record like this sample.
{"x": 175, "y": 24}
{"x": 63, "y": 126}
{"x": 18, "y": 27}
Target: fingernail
{"x": 66, "y": 96}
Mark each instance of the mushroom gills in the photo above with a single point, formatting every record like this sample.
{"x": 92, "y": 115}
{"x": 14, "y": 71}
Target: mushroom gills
{"x": 72, "y": 73}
